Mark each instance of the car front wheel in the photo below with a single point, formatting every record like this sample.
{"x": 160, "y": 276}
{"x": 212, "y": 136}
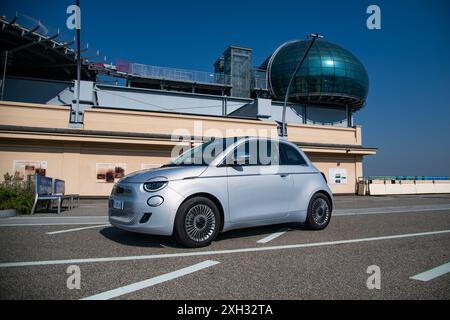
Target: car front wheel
{"x": 197, "y": 222}
{"x": 319, "y": 212}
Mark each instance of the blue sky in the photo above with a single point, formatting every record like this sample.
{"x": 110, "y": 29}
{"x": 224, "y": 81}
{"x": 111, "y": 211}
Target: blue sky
{"x": 408, "y": 110}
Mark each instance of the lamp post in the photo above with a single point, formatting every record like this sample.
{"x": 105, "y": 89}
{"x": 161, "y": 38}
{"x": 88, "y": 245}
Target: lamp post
{"x": 314, "y": 37}
{"x": 78, "y": 66}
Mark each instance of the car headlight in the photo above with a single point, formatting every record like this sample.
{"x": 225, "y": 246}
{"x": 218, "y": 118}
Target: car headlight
{"x": 153, "y": 186}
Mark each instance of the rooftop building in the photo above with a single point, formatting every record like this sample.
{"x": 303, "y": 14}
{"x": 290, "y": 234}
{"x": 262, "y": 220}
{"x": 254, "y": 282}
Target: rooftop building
{"x": 129, "y": 111}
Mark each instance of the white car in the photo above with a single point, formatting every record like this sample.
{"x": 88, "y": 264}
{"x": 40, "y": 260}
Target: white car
{"x": 224, "y": 184}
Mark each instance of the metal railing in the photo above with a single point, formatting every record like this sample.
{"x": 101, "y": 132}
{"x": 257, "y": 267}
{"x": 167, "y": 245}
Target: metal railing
{"x": 148, "y": 71}
{"x": 414, "y": 178}
{"x": 155, "y": 72}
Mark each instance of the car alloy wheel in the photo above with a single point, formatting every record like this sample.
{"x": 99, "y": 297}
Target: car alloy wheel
{"x": 320, "y": 211}
{"x": 200, "y": 222}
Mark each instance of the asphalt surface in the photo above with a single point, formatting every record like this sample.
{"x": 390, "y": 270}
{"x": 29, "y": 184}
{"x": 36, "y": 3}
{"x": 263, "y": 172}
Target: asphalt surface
{"x": 403, "y": 235}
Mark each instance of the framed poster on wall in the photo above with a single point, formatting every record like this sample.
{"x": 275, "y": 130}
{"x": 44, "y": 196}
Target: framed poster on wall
{"x": 338, "y": 176}
{"x": 25, "y": 168}
{"x": 110, "y": 172}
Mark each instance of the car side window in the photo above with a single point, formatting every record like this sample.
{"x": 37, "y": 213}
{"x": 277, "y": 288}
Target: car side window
{"x": 290, "y": 157}
{"x": 258, "y": 153}
{"x": 247, "y": 152}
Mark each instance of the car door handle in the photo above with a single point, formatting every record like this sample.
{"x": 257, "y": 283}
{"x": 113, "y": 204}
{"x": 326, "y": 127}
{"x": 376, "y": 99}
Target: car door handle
{"x": 284, "y": 175}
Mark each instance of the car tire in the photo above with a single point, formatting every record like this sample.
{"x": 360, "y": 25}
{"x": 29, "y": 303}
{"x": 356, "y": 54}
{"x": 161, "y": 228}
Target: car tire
{"x": 197, "y": 223}
{"x": 319, "y": 212}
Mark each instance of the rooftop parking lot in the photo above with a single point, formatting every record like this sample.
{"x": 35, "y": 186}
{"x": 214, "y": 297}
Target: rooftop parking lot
{"x": 407, "y": 237}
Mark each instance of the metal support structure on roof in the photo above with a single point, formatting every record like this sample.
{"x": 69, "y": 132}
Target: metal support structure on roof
{"x": 33, "y": 39}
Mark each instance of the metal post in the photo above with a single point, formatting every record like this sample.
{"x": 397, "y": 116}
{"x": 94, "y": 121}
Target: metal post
{"x": 78, "y": 65}
{"x": 225, "y": 106}
{"x": 314, "y": 37}
{"x": 305, "y": 114}
{"x": 4, "y": 74}
{"x": 349, "y": 116}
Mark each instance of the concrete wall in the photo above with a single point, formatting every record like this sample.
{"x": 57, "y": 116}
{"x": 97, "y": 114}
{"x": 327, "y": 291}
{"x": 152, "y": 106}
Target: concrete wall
{"x": 409, "y": 187}
{"x": 34, "y": 115}
{"x": 76, "y": 162}
{"x": 72, "y": 156}
{"x": 351, "y": 163}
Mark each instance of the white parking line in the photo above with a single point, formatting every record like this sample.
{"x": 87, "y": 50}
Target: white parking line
{"x": 272, "y": 236}
{"x": 46, "y": 224}
{"x": 218, "y": 252}
{"x": 53, "y": 217}
{"x": 152, "y": 281}
{"x": 77, "y": 229}
{"x": 52, "y": 221}
{"x": 433, "y": 273}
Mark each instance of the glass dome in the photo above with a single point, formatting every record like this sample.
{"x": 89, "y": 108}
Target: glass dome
{"x": 330, "y": 74}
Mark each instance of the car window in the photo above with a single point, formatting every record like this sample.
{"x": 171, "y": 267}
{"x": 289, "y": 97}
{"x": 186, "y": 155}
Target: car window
{"x": 290, "y": 156}
{"x": 203, "y": 154}
{"x": 258, "y": 153}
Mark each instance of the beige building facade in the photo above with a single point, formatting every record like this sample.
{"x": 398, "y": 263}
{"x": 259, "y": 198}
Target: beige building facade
{"x": 128, "y": 141}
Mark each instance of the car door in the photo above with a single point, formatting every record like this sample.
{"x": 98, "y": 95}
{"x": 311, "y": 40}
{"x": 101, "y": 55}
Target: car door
{"x": 257, "y": 190}
{"x": 294, "y": 162}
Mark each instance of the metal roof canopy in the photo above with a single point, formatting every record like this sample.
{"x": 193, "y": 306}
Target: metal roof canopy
{"x": 39, "y": 52}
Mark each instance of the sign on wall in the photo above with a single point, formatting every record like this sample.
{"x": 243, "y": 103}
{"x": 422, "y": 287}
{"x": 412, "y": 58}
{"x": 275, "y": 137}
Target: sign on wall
{"x": 338, "y": 176}
{"x": 26, "y": 168}
{"x": 110, "y": 172}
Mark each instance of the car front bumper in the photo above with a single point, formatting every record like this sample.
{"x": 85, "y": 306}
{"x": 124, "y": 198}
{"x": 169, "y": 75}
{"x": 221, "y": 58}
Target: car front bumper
{"x": 134, "y": 208}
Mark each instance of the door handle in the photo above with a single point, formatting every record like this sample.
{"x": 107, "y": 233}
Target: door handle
{"x": 284, "y": 175}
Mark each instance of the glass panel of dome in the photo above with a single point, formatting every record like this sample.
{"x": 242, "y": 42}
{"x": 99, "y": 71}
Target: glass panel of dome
{"x": 339, "y": 72}
{"x": 328, "y": 63}
{"x": 339, "y": 64}
{"x": 311, "y": 55}
{"x": 347, "y": 59}
{"x": 314, "y": 84}
{"x": 302, "y": 87}
{"x": 328, "y": 71}
{"x": 303, "y": 71}
{"x": 315, "y": 71}
{"x": 339, "y": 85}
{"x": 327, "y": 83}
{"x": 350, "y": 74}
{"x": 314, "y": 63}
{"x": 326, "y": 57}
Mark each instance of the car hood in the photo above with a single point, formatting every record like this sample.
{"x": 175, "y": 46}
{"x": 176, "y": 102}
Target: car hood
{"x": 171, "y": 173}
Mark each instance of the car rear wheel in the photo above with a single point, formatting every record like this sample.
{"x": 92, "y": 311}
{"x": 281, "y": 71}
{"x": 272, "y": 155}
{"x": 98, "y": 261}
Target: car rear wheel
{"x": 319, "y": 212}
{"x": 197, "y": 222}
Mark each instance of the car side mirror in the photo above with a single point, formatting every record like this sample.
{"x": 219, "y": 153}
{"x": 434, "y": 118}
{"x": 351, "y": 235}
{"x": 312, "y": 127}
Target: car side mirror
{"x": 241, "y": 159}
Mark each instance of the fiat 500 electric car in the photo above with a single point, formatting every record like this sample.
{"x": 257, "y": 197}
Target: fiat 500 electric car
{"x": 224, "y": 184}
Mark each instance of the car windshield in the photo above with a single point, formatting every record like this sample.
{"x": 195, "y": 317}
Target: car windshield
{"x": 204, "y": 154}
